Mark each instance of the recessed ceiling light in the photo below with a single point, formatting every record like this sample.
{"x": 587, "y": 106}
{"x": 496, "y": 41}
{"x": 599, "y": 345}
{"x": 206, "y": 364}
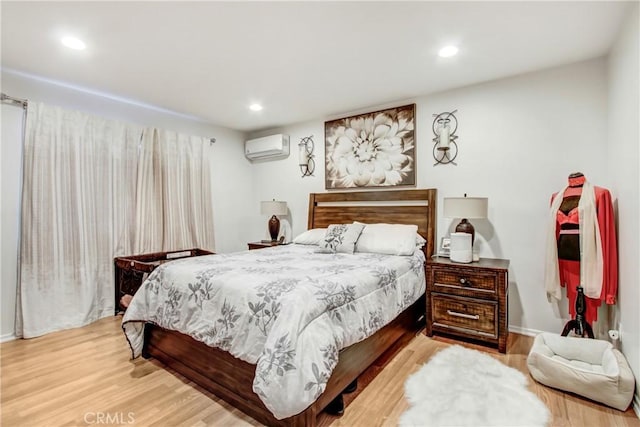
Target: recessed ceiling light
{"x": 448, "y": 51}
{"x": 255, "y": 107}
{"x": 73, "y": 43}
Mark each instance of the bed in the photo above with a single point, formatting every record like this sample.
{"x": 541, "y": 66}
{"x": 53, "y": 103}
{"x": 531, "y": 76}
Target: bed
{"x": 232, "y": 379}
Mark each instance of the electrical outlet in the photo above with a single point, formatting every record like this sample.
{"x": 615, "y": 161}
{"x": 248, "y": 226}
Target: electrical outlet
{"x": 619, "y": 332}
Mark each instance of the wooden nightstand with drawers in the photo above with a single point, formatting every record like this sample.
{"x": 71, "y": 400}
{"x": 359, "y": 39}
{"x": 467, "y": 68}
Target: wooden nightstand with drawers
{"x": 263, "y": 244}
{"x": 469, "y": 300}
{"x": 131, "y": 271}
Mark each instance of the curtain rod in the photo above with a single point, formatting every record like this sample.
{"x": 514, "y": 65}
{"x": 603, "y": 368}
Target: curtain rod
{"x": 23, "y": 103}
{"x": 10, "y": 99}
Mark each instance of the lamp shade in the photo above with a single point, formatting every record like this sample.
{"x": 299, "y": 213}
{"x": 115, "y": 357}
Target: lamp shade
{"x": 273, "y": 207}
{"x": 465, "y": 207}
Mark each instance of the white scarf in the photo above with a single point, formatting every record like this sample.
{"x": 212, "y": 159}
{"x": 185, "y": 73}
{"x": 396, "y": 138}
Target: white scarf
{"x": 590, "y": 247}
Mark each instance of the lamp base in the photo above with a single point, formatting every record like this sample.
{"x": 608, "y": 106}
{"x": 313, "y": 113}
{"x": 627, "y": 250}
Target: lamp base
{"x": 274, "y": 228}
{"x": 466, "y": 227}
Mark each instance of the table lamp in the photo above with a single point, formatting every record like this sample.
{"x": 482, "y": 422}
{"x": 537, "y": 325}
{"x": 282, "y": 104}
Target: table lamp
{"x": 273, "y": 208}
{"x": 465, "y": 208}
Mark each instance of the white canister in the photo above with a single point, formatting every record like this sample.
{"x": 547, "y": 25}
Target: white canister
{"x": 461, "y": 248}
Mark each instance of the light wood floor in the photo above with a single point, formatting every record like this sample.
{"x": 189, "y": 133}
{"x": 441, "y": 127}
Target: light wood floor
{"x": 85, "y": 377}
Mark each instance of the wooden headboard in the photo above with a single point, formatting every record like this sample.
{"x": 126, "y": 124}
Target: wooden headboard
{"x": 392, "y": 207}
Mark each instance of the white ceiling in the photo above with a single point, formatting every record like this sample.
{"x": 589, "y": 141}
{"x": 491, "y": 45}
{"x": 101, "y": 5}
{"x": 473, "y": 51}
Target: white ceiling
{"x": 301, "y": 60}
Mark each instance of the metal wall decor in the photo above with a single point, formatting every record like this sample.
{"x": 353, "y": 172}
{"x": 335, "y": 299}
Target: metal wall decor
{"x": 305, "y": 156}
{"x": 445, "y": 148}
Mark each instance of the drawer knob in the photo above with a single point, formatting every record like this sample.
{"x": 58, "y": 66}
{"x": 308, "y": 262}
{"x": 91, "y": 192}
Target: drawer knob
{"x": 465, "y": 282}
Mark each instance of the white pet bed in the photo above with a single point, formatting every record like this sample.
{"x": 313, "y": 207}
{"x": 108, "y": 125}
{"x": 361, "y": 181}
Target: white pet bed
{"x": 588, "y": 367}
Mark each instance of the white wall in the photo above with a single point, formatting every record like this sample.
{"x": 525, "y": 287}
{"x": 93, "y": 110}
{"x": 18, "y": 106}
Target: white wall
{"x": 232, "y": 175}
{"x": 10, "y": 161}
{"x": 519, "y": 139}
{"x": 281, "y": 180}
{"x": 624, "y": 162}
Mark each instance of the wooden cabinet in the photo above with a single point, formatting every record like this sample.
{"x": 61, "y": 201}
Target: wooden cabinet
{"x": 131, "y": 271}
{"x": 469, "y": 300}
{"x": 262, "y": 244}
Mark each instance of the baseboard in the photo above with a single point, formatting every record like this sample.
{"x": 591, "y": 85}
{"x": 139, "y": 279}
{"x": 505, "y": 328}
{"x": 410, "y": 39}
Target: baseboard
{"x": 524, "y": 331}
{"x": 8, "y": 337}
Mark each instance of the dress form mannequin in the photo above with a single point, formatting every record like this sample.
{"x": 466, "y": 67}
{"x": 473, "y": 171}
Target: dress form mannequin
{"x": 569, "y": 250}
{"x": 568, "y": 238}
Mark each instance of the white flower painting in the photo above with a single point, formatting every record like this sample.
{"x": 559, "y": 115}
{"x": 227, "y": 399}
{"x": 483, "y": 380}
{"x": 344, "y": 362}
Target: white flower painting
{"x": 371, "y": 150}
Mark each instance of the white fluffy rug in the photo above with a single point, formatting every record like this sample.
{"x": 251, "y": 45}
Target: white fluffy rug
{"x": 462, "y": 387}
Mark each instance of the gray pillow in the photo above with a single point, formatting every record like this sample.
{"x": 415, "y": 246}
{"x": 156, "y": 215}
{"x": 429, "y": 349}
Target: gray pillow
{"x": 340, "y": 238}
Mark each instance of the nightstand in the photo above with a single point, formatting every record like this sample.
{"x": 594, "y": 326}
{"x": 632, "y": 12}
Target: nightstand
{"x": 131, "y": 271}
{"x": 469, "y": 300}
{"x": 262, "y": 245}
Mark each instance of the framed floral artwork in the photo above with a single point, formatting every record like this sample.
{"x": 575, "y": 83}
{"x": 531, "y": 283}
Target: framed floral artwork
{"x": 371, "y": 150}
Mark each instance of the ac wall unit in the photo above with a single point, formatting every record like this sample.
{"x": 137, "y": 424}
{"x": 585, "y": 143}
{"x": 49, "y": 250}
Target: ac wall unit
{"x": 267, "y": 147}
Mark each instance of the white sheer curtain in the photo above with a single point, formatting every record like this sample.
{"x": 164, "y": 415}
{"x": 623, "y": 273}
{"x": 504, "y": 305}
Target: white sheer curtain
{"x": 78, "y": 204}
{"x": 149, "y": 214}
{"x": 174, "y": 207}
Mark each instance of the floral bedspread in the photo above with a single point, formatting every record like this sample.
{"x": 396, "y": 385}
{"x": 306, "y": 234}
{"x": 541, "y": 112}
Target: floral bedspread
{"x": 287, "y": 309}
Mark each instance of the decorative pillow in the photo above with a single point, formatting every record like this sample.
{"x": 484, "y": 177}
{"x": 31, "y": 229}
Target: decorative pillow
{"x": 390, "y": 239}
{"x": 311, "y": 237}
{"x": 340, "y": 238}
{"x": 420, "y": 241}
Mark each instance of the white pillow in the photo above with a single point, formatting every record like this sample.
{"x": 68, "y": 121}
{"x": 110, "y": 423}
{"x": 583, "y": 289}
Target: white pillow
{"x": 340, "y": 238}
{"x": 390, "y": 239}
{"x": 420, "y": 241}
{"x": 311, "y": 237}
